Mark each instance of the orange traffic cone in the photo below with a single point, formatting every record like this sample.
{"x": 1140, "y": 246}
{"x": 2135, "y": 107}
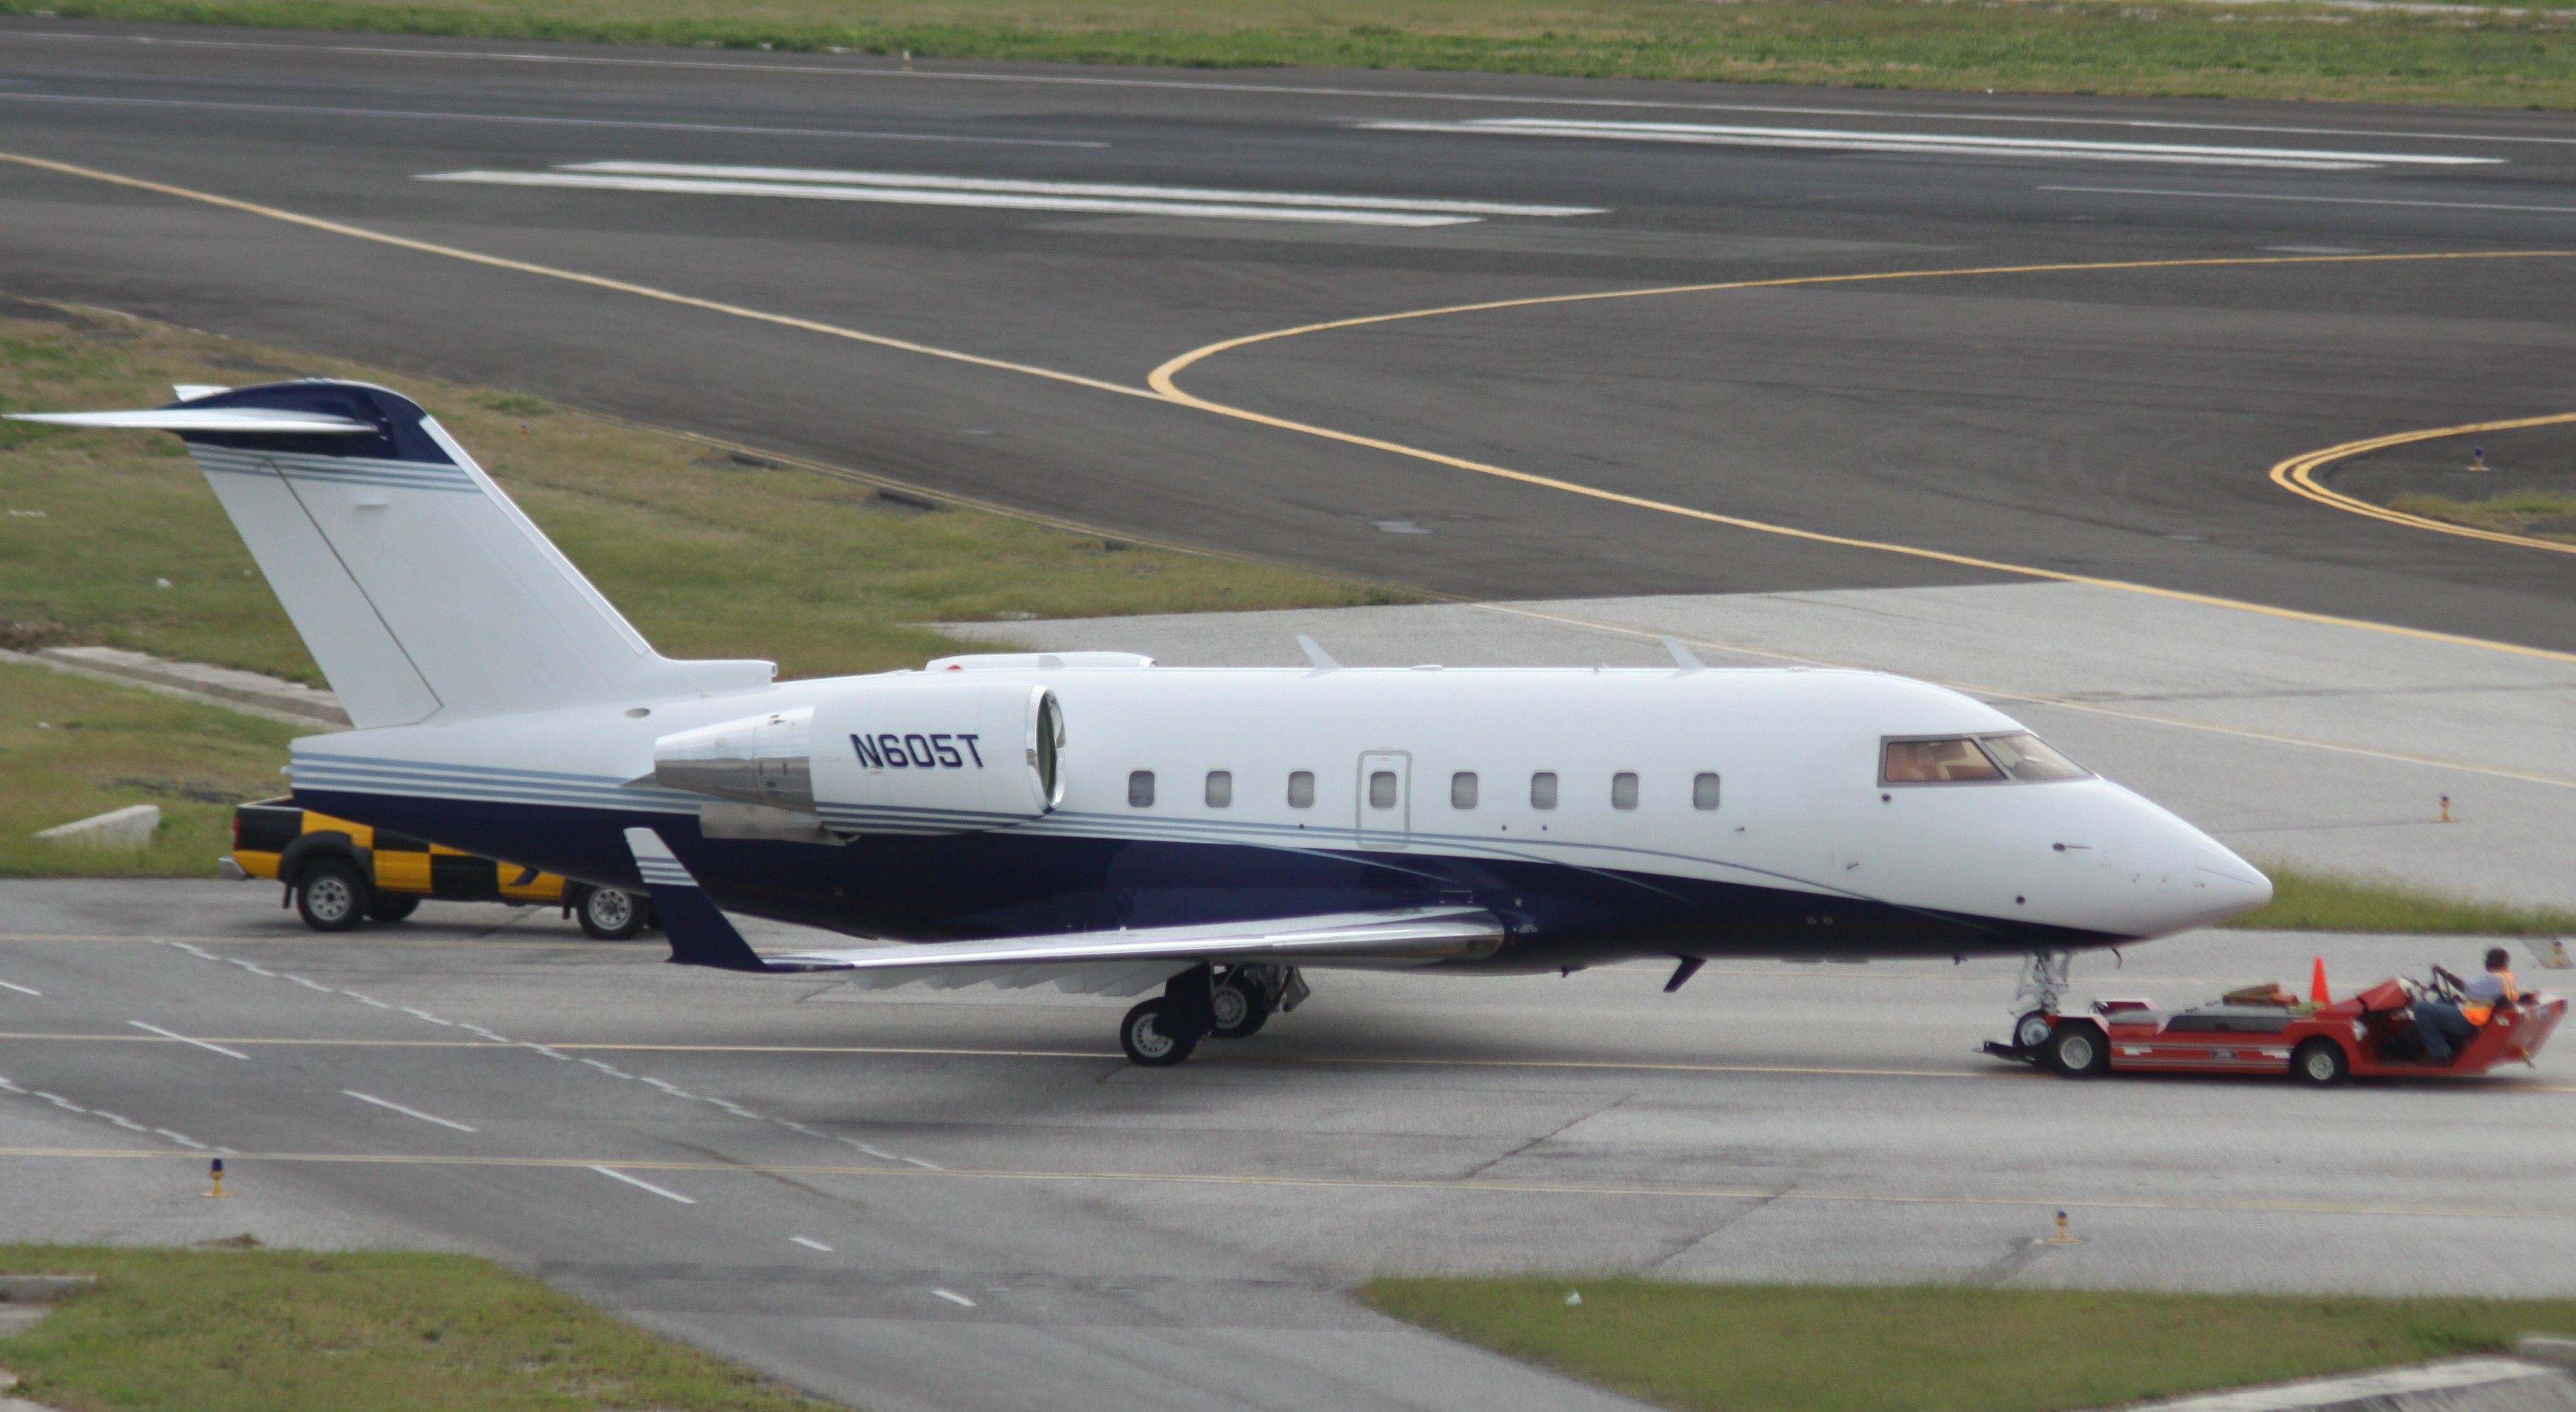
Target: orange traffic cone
{"x": 2317, "y": 984}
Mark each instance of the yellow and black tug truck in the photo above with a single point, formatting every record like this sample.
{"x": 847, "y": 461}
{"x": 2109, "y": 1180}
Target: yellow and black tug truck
{"x": 339, "y": 873}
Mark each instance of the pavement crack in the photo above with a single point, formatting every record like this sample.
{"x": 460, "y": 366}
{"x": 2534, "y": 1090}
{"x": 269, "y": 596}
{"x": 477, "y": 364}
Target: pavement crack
{"x": 1499, "y": 1158}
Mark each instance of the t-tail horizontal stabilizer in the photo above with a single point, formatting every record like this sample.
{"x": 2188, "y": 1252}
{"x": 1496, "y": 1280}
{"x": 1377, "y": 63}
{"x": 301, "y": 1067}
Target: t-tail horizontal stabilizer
{"x": 700, "y": 934}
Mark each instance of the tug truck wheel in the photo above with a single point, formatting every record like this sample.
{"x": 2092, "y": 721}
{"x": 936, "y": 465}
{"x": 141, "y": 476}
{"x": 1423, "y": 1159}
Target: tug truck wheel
{"x": 392, "y": 906}
{"x": 1240, "y": 1009}
{"x": 1146, "y": 1045}
{"x": 330, "y": 895}
{"x": 608, "y": 914}
{"x": 2320, "y": 1063}
{"x": 2076, "y": 1050}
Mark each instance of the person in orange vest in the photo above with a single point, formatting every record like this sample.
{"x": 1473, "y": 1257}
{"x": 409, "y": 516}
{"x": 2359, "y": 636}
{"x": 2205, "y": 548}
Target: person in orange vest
{"x": 2439, "y": 1023}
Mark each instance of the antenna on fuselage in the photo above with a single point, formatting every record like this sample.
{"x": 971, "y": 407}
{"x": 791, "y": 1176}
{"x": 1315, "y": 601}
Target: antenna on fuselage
{"x": 1316, "y": 654}
{"x": 1683, "y": 657}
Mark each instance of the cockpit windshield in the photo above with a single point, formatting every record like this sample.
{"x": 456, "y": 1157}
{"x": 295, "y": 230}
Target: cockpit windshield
{"x": 1992, "y": 759}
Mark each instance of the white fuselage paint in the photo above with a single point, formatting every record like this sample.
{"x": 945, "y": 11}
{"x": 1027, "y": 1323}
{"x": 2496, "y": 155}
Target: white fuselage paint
{"x": 1801, "y": 807}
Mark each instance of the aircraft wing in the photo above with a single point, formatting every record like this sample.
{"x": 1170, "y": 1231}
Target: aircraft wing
{"x": 1098, "y": 963}
{"x": 1132, "y": 961}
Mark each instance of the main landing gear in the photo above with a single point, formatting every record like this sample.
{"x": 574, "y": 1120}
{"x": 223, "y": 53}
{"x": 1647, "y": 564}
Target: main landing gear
{"x": 1199, "y": 1003}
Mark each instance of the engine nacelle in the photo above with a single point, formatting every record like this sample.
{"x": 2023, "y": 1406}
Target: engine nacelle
{"x": 904, "y": 755}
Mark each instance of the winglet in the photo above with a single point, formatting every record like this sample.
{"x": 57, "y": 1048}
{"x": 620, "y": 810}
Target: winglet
{"x": 1683, "y": 657}
{"x": 1316, "y": 654}
{"x": 700, "y": 935}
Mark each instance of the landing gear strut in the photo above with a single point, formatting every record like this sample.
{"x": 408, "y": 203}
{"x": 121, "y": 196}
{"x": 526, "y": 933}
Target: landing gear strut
{"x": 2037, "y": 1002}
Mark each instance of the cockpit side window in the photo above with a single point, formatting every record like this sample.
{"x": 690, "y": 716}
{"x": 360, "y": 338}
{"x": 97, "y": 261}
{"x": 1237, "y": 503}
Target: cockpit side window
{"x": 1994, "y": 759}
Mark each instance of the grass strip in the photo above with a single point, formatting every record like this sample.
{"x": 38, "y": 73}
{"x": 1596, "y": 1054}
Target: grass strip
{"x": 1939, "y": 1348}
{"x": 2308, "y": 899}
{"x": 2497, "y": 55}
{"x": 2513, "y": 512}
{"x": 238, "y": 1330}
{"x": 71, "y": 747}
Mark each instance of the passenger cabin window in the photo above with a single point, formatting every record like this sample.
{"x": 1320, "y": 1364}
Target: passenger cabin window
{"x": 1623, "y": 790}
{"x": 1462, "y": 790}
{"x": 1301, "y": 790}
{"x": 1140, "y": 789}
{"x": 1543, "y": 790}
{"x": 2016, "y": 755}
{"x": 1703, "y": 791}
{"x": 1220, "y": 789}
{"x": 1382, "y": 789}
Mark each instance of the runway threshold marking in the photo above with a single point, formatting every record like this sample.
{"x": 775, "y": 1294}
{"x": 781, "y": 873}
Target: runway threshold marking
{"x": 1277, "y": 1181}
{"x": 1162, "y": 387}
{"x": 2298, "y": 476}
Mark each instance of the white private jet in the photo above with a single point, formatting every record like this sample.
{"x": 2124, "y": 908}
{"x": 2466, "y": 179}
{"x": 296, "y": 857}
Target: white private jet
{"x": 1114, "y": 827}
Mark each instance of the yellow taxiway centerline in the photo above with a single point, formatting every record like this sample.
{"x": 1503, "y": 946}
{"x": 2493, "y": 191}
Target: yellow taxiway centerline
{"x": 2298, "y": 476}
{"x": 234, "y": 1162}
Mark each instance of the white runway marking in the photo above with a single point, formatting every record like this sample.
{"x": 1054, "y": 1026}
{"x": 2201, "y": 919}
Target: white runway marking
{"x": 410, "y": 115}
{"x": 2321, "y": 200}
{"x": 811, "y": 1244}
{"x": 648, "y": 1186}
{"x": 183, "y": 1039}
{"x": 22, "y": 990}
{"x": 2364, "y": 1387}
{"x": 907, "y": 189}
{"x": 181, "y": 1138}
{"x": 1935, "y": 143}
{"x": 406, "y": 1112}
{"x": 954, "y": 1297}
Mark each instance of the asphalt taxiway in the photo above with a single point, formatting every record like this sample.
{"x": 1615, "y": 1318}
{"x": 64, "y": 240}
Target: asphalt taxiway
{"x": 968, "y": 1200}
{"x": 1946, "y": 338}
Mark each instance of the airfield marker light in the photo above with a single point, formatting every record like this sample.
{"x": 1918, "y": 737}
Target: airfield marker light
{"x": 2558, "y": 960}
{"x": 217, "y": 1172}
{"x": 907, "y": 61}
{"x": 2063, "y": 1236}
{"x": 2478, "y": 459}
{"x": 2446, "y": 808}
{"x": 2317, "y": 984}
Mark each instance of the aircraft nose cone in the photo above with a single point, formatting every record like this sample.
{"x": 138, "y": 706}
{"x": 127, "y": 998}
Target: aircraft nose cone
{"x": 2232, "y": 883}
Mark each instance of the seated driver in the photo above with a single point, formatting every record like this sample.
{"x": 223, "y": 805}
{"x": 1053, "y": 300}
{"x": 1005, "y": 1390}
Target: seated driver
{"x": 2439, "y": 1023}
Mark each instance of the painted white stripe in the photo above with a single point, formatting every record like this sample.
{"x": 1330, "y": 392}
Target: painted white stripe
{"x": 406, "y": 1112}
{"x": 984, "y": 200}
{"x": 913, "y": 182}
{"x": 413, "y": 115}
{"x": 811, "y": 1244}
{"x": 181, "y": 1138}
{"x": 2431, "y": 1377}
{"x": 183, "y": 1039}
{"x": 1944, "y": 144}
{"x": 953, "y": 1297}
{"x": 2319, "y": 200}
{"x": 648, "y": 1186}
{"x": 22, "y": 990}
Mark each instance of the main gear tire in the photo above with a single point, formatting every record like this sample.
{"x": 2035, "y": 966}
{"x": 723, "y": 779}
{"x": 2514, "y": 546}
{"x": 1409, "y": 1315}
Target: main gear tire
{"x": 1240, "y": 1008}
{"x": 1146, "y": 1045}
{"x": 608, "y": 914}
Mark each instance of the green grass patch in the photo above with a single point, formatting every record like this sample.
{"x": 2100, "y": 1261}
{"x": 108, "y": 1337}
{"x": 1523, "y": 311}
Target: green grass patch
{"x": 113, "y": 536}
{"x": 71, "y": 747}
{"x": 2514, "y": 512}
{"x": 2306, "y": 899}
{"x": 1828, "y": 1348}
{"x": 2515, "y": 55}
{"x": 227, "y": 1330}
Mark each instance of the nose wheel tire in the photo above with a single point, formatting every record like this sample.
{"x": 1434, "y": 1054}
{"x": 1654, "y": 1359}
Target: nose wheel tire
{"x": 1146, "y": 1045}
{"x": 2077, "y": 1051}
{"x": 2031, "y": 1031}
{"x": 2321, "y": 1063}
{"x": 1240, "y": 1009}
{"x": 608, "y": 914}
{"x": 331, "y": 897}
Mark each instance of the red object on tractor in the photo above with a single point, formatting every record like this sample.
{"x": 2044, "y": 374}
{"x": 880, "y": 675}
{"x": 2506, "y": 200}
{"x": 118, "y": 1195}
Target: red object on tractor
{"x": 2371, "y": 1034}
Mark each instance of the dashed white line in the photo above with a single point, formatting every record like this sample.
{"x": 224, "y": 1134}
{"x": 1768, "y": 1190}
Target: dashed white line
{"x": 911, "y": 181}
{"x": 406, "y": 1112}
{"x": 648, "y": 1186}
{"x": 119, "y": 1119}
{"x": 58, "y": 1101}
{"x": 183, "y": 1039}
{"x": 21, "y": 989}
{"x": 953, "y": 1297}
{"x": 307, "y": 984}
{"x": 2319, "y": 200}
{"x": 811, "y": 1244}
{"x": 181, "y": 1138}
{"x": 425, "y": 1015}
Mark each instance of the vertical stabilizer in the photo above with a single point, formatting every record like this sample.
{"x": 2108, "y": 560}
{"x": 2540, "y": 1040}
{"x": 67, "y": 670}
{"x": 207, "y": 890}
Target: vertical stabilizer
{"x": 423, "y": 593}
